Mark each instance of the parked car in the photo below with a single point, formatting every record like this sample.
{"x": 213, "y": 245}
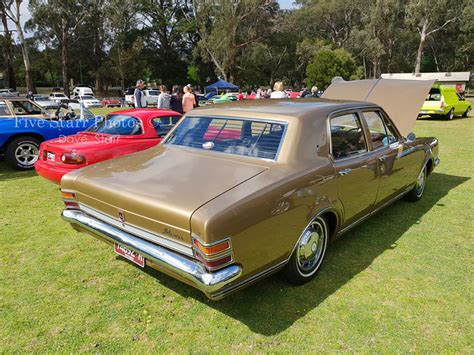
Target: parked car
{"x": 120, "y": 133}
{"x": 444, "y": 101}
{"x": 223, "y": 98}
{"x": 89, "y": 101}
{"x": 24, "y": 125}
{"x": 82, "y": 91}
{"x": 111, "y": 102}
{"x": 129, "y": 101}
{"x": 8, "y": 92}
{"x": 58, "y": 97}
{"x": 219, "y": 210}
{"x": 44, "y": 102}
{"x": 151, "y": 97}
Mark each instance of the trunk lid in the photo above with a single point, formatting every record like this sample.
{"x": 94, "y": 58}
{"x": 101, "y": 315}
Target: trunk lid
{"x": 158, "y": 190}
{"x": 401, "y": 99}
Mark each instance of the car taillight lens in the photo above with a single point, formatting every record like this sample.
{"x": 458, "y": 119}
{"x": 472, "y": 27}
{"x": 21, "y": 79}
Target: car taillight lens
{"x": 213, "y": 256}
{"x": 69, "y": 199}
{"x": 73, "y": 158}
{"x": 442, "y": 103}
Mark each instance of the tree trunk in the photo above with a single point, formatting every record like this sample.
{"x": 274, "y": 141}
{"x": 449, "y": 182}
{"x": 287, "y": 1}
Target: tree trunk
{"x": 11, "y": 79}
{"x": 26, "y": 59}
{"x": 421, "y": 47}
{"x": 64, "y": 58}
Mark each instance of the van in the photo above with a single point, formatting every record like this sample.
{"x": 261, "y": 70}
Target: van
{"x": 444, "y": 101}
{"x": 82, "y": 91}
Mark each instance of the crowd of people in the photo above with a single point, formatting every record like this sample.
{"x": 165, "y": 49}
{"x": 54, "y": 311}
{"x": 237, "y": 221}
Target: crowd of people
{"x": 183, "y": 99}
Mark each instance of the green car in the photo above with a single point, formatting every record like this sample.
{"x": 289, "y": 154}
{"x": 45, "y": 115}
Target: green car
{"x": 445, "y": 101}
{"x": 223, "y": 98}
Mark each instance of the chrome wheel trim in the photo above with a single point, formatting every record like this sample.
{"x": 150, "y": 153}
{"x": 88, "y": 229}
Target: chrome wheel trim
{"x": 311, "y": 247}
{"x": 27, "y": 154}
{"x": 420, "y": 182}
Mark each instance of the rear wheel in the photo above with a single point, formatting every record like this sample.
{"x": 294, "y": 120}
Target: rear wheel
{"x": 417, "y": 192}
{"x": 450, "y": 114}
{"x": 22, "y": 153}
{"x": 308, "y": 254}
{"x": 467, "y": 113}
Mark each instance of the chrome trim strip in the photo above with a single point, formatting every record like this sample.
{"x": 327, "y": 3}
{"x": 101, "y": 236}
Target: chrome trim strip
{"x": 150, "y": 236}
{"x": 188, "y": 269}
{"x": 260, "y": 275}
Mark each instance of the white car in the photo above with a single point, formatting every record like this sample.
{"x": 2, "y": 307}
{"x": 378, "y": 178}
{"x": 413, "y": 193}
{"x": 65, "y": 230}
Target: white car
{"x": 44, "y": 102}
{"x": 8, "y": 92}
{"x": 151, "y": 96}
{"x": 82, "y": 91}
{"x": 58, "y": 97}
{"x": 89, "y": 101}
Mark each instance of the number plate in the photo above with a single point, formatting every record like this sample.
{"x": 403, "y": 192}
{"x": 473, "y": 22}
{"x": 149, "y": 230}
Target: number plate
{"x": 131, "y": 255}
{"x": 50, "y": 156}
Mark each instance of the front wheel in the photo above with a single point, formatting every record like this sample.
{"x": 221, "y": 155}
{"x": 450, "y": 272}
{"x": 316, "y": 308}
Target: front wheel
{"x": 417, "y": 192}
{"x": 308, "y": 254}
{"x": 22, "y": 153}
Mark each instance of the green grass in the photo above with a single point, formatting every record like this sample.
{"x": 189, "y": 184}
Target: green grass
{"x": 400, "y": 282}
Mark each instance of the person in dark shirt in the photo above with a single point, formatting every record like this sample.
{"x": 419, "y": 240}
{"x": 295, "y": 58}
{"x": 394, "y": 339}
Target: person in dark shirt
{"x": 176, "y": 102}
{"x": 139, "y": 99}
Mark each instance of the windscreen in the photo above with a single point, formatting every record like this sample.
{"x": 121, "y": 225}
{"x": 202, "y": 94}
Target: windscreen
{"x": 122, "y": 125}
{"x": 244, "y": 137}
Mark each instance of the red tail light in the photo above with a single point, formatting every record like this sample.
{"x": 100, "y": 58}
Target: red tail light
{"x": 73, "y": 158}
{"x": 69, "y": 199}
{"x": 442, "y": 103}
{"x": 214, "y": 256}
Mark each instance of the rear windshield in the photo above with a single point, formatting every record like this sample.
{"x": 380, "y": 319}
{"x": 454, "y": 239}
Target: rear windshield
{"x": 153, "y": 92}
{"x": 434, "y": 95}
{"x": 251, "y": 138}
{"x": 122, "y": 125}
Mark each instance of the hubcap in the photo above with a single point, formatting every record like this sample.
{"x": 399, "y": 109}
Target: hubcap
{"x": 311, "y": 248}
{"x": 26, "y": 154}
{"x": 420, "y": 182}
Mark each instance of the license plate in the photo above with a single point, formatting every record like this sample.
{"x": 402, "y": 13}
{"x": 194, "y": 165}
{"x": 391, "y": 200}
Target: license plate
{"x": 50, "y": 156}
{"x": 131, "y": 255}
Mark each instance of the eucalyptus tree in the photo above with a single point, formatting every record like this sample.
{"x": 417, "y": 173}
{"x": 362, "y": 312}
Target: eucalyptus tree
{"x": 13, "y": 13}
{"x": 8, "y": 48}
{"x": 59, "y": 21}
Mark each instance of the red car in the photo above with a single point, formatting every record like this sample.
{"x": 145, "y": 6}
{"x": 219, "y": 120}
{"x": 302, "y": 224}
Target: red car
{"x": 121, "y": 132}
{"x": 109, "y": 102}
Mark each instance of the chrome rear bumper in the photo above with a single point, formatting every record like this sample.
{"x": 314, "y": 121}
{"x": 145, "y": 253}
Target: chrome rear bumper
{"x": 192, "y": 271}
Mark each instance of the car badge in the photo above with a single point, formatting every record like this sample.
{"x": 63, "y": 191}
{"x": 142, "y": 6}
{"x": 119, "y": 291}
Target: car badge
{"x": 121, "y": 216}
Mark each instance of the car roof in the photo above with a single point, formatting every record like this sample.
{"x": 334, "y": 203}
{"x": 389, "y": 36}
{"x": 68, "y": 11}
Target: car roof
{"x": 145, "y": 112}
{"x": 278, "y": 109}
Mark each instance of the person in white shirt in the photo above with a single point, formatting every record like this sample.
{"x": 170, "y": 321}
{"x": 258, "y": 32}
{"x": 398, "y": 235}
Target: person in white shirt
{"x": 278, "y": 92}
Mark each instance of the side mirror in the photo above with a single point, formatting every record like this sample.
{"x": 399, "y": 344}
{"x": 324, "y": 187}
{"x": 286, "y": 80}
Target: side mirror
{"x": 411, "y": 136}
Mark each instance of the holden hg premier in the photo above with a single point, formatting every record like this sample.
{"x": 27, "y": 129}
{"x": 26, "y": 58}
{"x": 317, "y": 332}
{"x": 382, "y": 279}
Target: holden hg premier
{"x": 239, "y": 191}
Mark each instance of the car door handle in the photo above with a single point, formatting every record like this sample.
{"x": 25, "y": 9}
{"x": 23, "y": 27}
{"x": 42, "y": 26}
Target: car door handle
{"x": 345, "y": 172}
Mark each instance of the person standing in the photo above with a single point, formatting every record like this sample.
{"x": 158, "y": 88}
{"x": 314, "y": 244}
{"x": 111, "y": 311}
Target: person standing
{"x": 164, "y": 99}
{"x": 176, "y": 101}
{"x": 139, "y": 99}
{"x": 278, "y": 92}
{"x": 189, "y": 102}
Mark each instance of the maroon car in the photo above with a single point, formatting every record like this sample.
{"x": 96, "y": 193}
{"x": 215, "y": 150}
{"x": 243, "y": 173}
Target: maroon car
{"x": 111, "y": 102}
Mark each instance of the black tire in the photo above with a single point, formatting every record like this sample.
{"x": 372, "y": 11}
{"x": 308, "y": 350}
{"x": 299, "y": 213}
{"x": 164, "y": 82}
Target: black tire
{"x": 467, "y": 113}
{"x": 417, "y": 191}
{"x": 22, "y": 153}
{"x": 314, "y": 240}
{"x": 450, "y": 115}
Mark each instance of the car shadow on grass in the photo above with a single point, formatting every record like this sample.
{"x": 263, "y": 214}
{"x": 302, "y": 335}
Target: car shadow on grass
{"x": 271, "y": 305}
{"x": 7, "y": 173}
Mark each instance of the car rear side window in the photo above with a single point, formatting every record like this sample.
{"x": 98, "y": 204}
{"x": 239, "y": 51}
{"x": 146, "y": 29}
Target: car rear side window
{"x": 244, "y": 137}
{"x": 434, "y": 95}
{"x": 164, "y": 124}
{"x": 4, "y": 111}
{"x": 347, "y": 136}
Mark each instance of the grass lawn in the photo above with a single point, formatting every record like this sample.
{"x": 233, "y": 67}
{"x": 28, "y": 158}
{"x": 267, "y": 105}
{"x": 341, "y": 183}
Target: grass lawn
{"x": 400, "y": 282}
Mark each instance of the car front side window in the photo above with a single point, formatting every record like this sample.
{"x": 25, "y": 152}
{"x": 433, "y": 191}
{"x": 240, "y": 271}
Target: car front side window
{"x": 347, "y": 136}
{"x": 381, "y": 133}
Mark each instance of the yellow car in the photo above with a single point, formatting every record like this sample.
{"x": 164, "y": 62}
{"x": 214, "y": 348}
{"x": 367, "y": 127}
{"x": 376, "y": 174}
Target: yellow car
{"x": 446, "y": 102}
